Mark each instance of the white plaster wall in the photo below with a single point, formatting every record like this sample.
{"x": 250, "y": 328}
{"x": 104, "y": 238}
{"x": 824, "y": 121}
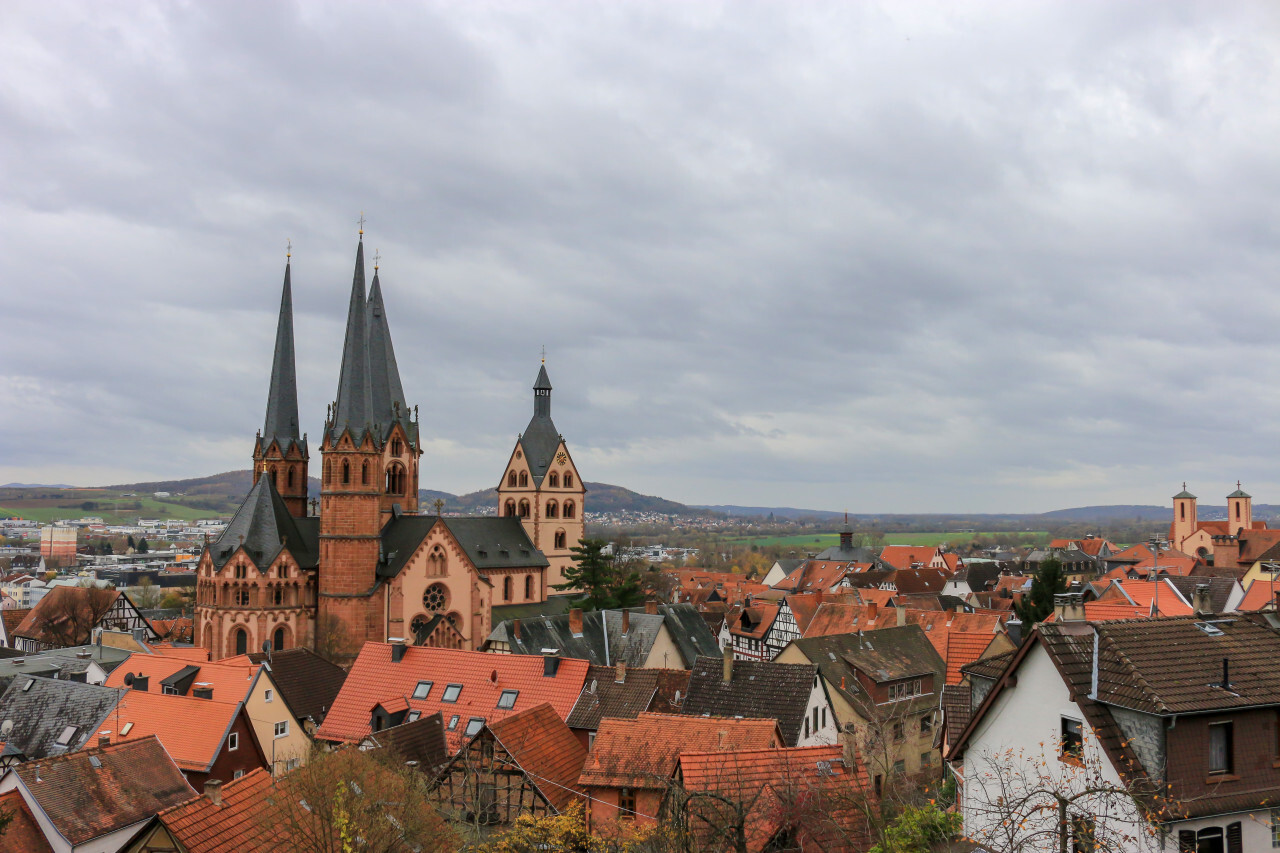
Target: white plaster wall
{"x": 827, "y": 735}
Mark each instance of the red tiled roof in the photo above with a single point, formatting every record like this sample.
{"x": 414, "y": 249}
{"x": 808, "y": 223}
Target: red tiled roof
{"x": 187, "y": 653}
{"x": 131, "y": 782}
{"x": 761, "y": 615}
{"x": 642, "y": 753}
{"x": 1260, "y": 594}
{"x": 804, "y": 789}
{"x": 230, "y": 683}
{"x": 1093, "y": 547}
{"x": 963, "y": 648}
{"x": 192, "y": 730}
{"x": 23, "y": 833}
{"x": 546, "y": 749}
{"x": 375, "y": 679}
{"x": 174, "y": 630}
{"x": 234, "y": 826}
{"x": 1146, "y": 593}
{"x": 13, "y": 617}
{"x": 920, "y": 580}
{"x": 902, "y": 556}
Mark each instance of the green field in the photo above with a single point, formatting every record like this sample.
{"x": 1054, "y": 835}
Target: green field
{"x": 818, "y": 542}
{"x": 150, "y": 508}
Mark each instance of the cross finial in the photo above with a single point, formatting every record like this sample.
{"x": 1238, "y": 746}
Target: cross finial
{"x": 1184, "y": 485}
{"x": 544, "y": 353}
{"x": 361, "y": 221}
{"x": 288, "y": 248}
{"x": 1237, "y": 484}
{"x": 377, "y": 257}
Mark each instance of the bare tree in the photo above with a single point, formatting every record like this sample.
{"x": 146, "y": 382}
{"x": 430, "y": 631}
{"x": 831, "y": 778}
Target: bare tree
{"x": 147, "y": 595}
{"x": 68, "y": 615}
{"x": 333, "y": 641}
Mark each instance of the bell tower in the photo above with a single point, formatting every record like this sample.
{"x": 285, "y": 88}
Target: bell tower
{"x": 279, "y": 452}
{"x": 1239, "y": 511}
{"x": 1184, "y": 517}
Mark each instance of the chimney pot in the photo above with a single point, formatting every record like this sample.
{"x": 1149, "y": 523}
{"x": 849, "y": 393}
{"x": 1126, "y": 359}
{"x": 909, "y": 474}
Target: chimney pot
{"x": 728, "y": 664}
{"x": 104, "y": 738}
{"x": 651, "y": 608}
{"x": 213, "y": 790}
{"x": 397, "y": 649}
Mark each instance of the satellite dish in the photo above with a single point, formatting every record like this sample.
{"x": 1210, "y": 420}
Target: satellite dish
{"x": 493, "y": 676}
{"x": 5, "y": 728}
{"x": 128, "y": 679}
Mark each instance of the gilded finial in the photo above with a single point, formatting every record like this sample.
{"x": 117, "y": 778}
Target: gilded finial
{"x": 288, "y": 249}
{"x": 377, "y": 256}
{"x": 361, "y": 221}
{"x": 544, "y": 353}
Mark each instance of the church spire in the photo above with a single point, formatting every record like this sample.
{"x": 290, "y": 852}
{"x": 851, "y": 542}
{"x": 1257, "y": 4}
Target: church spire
{"x": 386, "y": 392}
{"x": 282, "y": 398}
{"x": 542, "y": 393}
{"x": 354, "y": 404}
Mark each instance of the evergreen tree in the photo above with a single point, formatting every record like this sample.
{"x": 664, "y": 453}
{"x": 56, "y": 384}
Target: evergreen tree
{"x": 1037, "y": 603}
{"x": 592, "y": 572}
{"x": 131, "y": 542}
{"x": 142, "y": 546}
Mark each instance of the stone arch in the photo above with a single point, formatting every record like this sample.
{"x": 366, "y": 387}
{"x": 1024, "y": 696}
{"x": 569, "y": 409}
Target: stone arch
{"x": 346, "y": 473}
{"x": 511, "y": 479}
{"x": 561, "y": 540}
{"x": 509, "y": 508}
{"x": 553, "y": 509}
{"x": 528, "y": 587}
{"x": 568, "y": 509}
{"x": 436, "y": 563}
{"x": 524, "y": 478}
{"x": 279, "y": 638}
{"x": 524, "y": 509}
{"x": 239, "y": 640}
{"x": 508, "y": 586}
{"x": 553, "y": 480}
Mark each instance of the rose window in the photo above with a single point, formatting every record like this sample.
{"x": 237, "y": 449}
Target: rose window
{"x": 436, "y": 598}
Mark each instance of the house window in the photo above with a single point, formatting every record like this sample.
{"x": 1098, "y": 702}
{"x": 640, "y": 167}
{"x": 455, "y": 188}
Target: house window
{"x": 528, "y": 587}
{"x": 474, "y": 725}
{"x": 899, "y": 730}
{"x": 568, "y": 481}
{"x": 237, "y": 774}
{"x": 267, "y": 696}
{"x": 806, "y": 726}
{"x": 414, "y": 716}
{"x": 233, "y": 741}
{"x": 453, "y": 723}
{"x": 282, "y": 728}
{"x": 899, "y": 766}
{"x": 422, "y": 690}
{"x": 451, "y": 693}
{"x": 507, "y": 700}
{"x": 1072, "y": 739}
{"x": 926, "y": 758}
{"x": 926, "y": 724}
{"x": 1220, "y": 748}
{"x": 68, "y": 733}
{"x": 627, "y": 804}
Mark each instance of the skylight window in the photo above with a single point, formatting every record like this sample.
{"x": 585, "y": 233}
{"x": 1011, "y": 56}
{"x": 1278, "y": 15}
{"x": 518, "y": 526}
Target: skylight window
{"x": 453, "y": 722}
{"x": 422, "y": 690}
{"x": 414, "y": 715}
{"x": 66, "y": 737}
{"x": 451, "y": 693}
{"x": 507, "y": 700}
{"x": 474, "y": 725}
{"x": 128, "y": 727}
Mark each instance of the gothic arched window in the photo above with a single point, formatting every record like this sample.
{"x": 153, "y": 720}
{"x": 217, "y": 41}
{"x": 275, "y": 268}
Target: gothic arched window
{"x": 346, "y": 472}
{"x": 553, "y": 479}
{"x": 395, "y": 480}
{"x": 568, "y": 509}
{"x": 552, "y": 510}
{"x": 568, "y": 481}
{"x": 397, "y": 447}
{"x": 364, "y": 474}
{"x": 242, "y": 598}
{"x": 275, "y": 478}
{"x": 277, "y": 640}
{"x": 506, "y": 588}
{"x": 524, "y": 478}
{"x": 277, "y": 595}
{"x": 509, "y": 508}
{"x": 290, "y": 476}
{"x": 435, "y": 563}
{"x": 524, "y": 509}
{"x": 326, "y": 472}
{"x": 241, "y": 571}
{"x": 242, "y": 641}
{"x": 528, "y": 587}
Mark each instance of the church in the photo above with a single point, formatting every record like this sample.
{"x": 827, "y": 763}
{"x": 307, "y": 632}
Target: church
{"x": 362, "y": 563}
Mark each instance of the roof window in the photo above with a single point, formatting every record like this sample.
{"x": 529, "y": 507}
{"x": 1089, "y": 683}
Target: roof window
{"x": 451, "y": 693}
{"x": 414, "y": 715}
{"x": 474, "y": 725}
{"x": 68, "y": 734}
{"x": 507, "y": 700}
{"x": 128, "y": 727}
{"x": 422, "y": 690}
{"x": 453, "y": 722}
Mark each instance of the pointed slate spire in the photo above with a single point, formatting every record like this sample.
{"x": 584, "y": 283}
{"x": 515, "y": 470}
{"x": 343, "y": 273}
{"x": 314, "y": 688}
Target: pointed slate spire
{"x": 384, "y": 375}
{"x": 263, "y": 526}
{"x": 354, "y": 403}
{"x": 282, "y": 398}
{"x": 540, "y": 438}
{"x": 542, "y": 393}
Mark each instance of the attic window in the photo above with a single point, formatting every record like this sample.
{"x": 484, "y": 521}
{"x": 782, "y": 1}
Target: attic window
{"x": 422, "y": 690}
{"x": 453, "y": 722}
{"x": 27, "y": 686}
{"x": 474, "y": 725}
{"x": 66, "y": 737}
{"x": 451, "y": 693}
{"x": 414, "y": 715}
{"x": 93, "y": 759}
{"x": 128, "y": 727}
{"x": 507, "y": 700}
{"x": 1209, "y": 628}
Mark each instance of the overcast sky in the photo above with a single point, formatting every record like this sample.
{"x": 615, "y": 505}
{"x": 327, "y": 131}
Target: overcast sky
{"x": 894, "y": 257}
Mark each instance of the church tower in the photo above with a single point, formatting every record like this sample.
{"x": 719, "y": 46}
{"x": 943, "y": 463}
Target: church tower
{"x": 279, "y": 452}
{"x": 542, "y": 488}
{"x": 1239, "y": 511}
{"x": 1185, "y": 522}
{"x": 370, "y": 456}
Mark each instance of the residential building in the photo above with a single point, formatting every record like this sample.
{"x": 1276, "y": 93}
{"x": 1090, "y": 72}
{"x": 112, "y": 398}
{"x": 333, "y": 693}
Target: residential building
{"x": 308, "y": 683}
{"x": 792, "y": 694}
{"x": 68, "y": 616}
{"x": 623, "y": 693}
{"x": 46, "y": 717}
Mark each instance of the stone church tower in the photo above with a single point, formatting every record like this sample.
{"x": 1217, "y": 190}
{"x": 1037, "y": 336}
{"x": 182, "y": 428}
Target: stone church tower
{"x": 370, "y": 454}
{"x": 542, "y": 488}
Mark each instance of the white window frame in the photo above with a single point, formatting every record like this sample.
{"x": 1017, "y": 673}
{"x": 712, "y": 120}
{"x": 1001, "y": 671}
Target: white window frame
{"x": 233, "y": 741}
{"x": 269, "y": 696}
{"x": 285, "y": 733}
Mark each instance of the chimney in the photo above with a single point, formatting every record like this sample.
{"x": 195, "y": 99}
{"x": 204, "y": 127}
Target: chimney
{"x": 202, "y": 690}
{"x": 1226, "y": 675}
{"x": 141, "y": 682}
{"x": 620, "y": 673}
{"x": 550, "y": 666}
{"x": 872, "y": 611}
{"x": 515, "y": 629}
{"x": 575, "y": 621}
{"x": 397, "y": 648}
{"x": 626, "y": 622}
{"x": 1069, "y": 607}
{"x": 1200, "y": 600}
{"x": 104, "y": 738}
{"x": 213, "y": 790}
{"x": 1226, "y": 551}
{"x": 902, "y": 615}
{"x": 651, "y": 607}
{"x": 728, "y": 664}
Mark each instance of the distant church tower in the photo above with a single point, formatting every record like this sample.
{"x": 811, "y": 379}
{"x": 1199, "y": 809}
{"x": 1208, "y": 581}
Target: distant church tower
{"x": 541, "y": 486}
{"x": 279, "y": 452}
{"x": 370, "y": 457}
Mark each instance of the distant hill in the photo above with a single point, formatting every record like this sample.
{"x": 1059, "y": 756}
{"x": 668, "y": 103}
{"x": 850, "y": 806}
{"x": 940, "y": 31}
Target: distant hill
{"x": 787, "y": 512}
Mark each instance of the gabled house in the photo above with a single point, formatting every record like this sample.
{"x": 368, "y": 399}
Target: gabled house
{"x": 229, "y": 817}
{"x": 1176, "y": 716}
{"x": 631, "y": 765}
{"x": 308, "y": 683}
{"x": 422, "y": 742}
{"x": 792, "y": 694}
{"x": 912, "y": 556}
{"x": 68, "y": 615}
{"x": 748, "y": 630}
{"x": 43, "y": 717}
{"x": 620, "y": 692}
{"x": 525, "y": 763}
{"x": 391, "y": 683}
{"x": 885, "y": 686}
{"x": 95, "y": 800}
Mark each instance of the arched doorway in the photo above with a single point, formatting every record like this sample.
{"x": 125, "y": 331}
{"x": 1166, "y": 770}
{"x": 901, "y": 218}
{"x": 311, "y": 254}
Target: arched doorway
{"x": 277, "y": 639}
{"x": 241, "y": 640}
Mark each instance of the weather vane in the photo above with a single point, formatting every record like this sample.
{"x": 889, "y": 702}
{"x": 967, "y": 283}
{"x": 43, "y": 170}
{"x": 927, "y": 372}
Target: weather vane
{"x": 361, "y": 221}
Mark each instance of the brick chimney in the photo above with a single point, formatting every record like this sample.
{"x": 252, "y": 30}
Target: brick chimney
{"x": 620, "y": 673}
{"x": 1200, "y": 600}
{"x": 872, "y": 611}
{"x": 626, "y": 622}
{"x": 575, "y": 621}
{"x": 902, "y": 615}
{"x": 397, "y": 648}
{"x": 104, "y": 738}
{"x": 213, "y": 790}
{"x": 651, "y": 607}
{"x": 1226, "y": 551}
{"x": 728, "y": 664}
{"x": 515, "y": 628}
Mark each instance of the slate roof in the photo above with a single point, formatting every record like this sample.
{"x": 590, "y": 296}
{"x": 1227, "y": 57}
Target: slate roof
{"x": 884, "y": 655}
{"x": 41, "y": 708}
{"x": 353, "y": 403}
{"x": 422, "y": 740}
{"x": 490, "y": 542}
{"x": 234, "y": 826}
{"x": 689, "y": 631}
{"x": 131, "y": 783}
{"x": 546, "y": 750}
{"x": 757, "y": 689}
{"x": 992, "y": 667}
{"x": 308, "y": 682}
{"x": 1220, "y": 590}
{"x": 979, "y": 575}
{"x": 385, "y": 391}
{"x": 848, "y": 555}
{"x": 642, "y": 753}
{"x": 23, "y": 833}
{"x": 282, "y": 396}
{"x": 540, "y": 438}
{"x": 602, "y": 695}
{"x": 554, "y": 605}
{"x": 374, "y": 678}
{"x": 263, "y": 525}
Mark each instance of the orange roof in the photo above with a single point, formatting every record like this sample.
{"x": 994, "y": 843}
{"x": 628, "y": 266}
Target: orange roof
{"x": 546, "y": 749}
{"x": 192, "y": 730}
{"x": 1063, "y": 544}
{"x": 963, "y": 648}
{"x": 881, "y": 597}
{"x": 23, "y": 833}
{"x": 761, "y": 615}
{"x": 801, "y": 788}
{"x": 902, "y": 556}
{"x": 236, "y": 825}
{"x": 64, "y": 599}
{"x": 952, "y": 561}
{"x": 375, "y": 679}
{"x": 642, "y": 753}
{"x": 190, "y": 653}
{"x": 1093, "y": 547}
{"x": 230, "y": 683}
{"x": 1259, "y": 595}
{"x": 1144, "y": 594}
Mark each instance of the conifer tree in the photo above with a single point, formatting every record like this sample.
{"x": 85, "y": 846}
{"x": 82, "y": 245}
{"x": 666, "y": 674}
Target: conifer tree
{"x": 592, "y": 572}
{"x": 1037, "y": 603}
